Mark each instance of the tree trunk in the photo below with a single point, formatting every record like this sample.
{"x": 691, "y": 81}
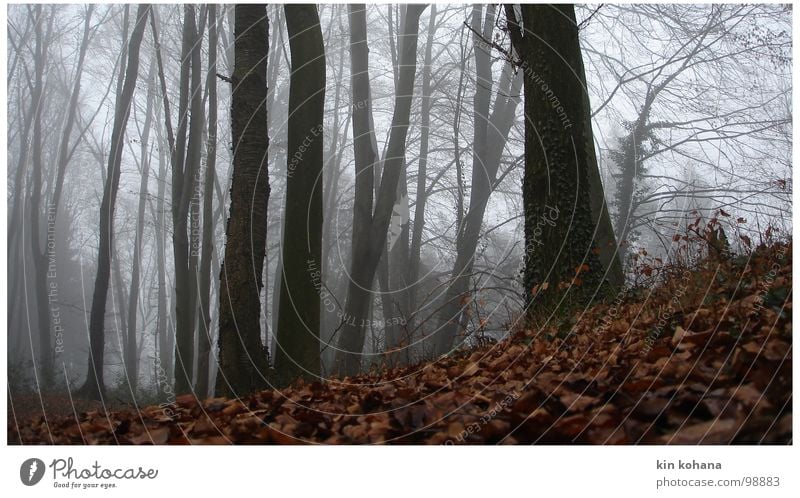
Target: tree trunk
{"x": 165, "y": 371}
{"x": 162, "y": 340}
{"x": 560, "y": 246}
{"x": 94, "y": 387}
{"x": 357, "y": 302}
{"x": 629, "y": 158}
{"x": 185, "y": 199}
{"x": 370, "y": 227}
{"x": 491, "y": 133}
{"x": 331, "y": 271}
{"x": 298, "y": 347}
{"x": 242, "y": 360}
{"x": 131, "y": 350}
{"x": 204, "y": 341}
{"x": 17, "y": 243}
{"x": 38, "y": 256}
{"x": 63, "y": 150}
{"x": 422, "y": 172}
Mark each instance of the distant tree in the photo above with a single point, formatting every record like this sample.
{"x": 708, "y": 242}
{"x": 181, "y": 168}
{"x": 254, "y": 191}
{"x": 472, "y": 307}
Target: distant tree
{"x": 164, "y": 338}
{"x": 333, "y": 272}
{"x": 491, "y": 126}
{"x": 684, "y": 104}
{"x": 415, "y": 244}
{"x": 185, "y": 167}
{"x": 131, "y": 350}
{"x": 42, "y": 42}
{"x": 370, "y": 227}
{"x": 94, "y": 387}
{"x": 204, "y": 278}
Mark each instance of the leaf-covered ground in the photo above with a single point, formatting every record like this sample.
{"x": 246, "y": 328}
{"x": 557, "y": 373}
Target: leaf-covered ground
{"x": 704, "y": 357}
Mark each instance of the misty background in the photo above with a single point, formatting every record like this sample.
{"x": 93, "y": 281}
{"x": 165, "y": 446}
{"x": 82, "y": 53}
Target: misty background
{"x": 692, "y": 117}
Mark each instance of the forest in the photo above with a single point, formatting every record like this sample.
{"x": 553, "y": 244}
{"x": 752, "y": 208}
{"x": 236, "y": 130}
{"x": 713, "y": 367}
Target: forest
{"x": 414, "y": 223}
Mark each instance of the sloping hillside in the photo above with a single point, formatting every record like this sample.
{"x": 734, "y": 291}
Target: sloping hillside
{"x": 704, "y": 357}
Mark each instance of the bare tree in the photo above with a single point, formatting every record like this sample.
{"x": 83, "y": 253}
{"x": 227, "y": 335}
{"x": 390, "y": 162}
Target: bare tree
{"x": 131, "y": 352}
{"x": 94, "y": 387}
{"x": 490, "y": 132}
{"x": 204, "y": 278}
{"x": 369, "y": 236}
{"x": 39, "y": 257}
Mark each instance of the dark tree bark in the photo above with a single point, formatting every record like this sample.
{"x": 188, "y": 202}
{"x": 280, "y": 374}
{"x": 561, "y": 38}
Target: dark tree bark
{"x": 243, "y": 361}
{"x": 298, "y": 348}
{"x": 119, "y": 300}
{"x": 604, "y": 239}
{"x": 560, "y": 245}
{"x": 94, "y": 387}
{"x": 370, "y": 227}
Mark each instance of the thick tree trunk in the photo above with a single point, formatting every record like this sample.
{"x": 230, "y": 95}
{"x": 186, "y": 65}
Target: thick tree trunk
{"x": 242, "y": 358}
{"x": 604, "y": 239}
{"x": 298, "y": 344}
{"x": 369, "y": 239}
{"x": 560, "y": 246}
{"x": 119, "y": 300}
{"x": 94, "y": 387}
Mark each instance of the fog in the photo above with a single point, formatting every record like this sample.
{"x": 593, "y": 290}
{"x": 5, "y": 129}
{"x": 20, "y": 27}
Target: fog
{"x": 691, "y": 115}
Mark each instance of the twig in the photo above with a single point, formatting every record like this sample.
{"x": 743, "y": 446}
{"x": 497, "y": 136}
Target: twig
{"x": 586, "y": 21}
{"x": 491, "y": 43}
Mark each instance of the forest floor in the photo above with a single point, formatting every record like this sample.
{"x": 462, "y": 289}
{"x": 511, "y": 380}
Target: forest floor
{"x": 705, "y": 356}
